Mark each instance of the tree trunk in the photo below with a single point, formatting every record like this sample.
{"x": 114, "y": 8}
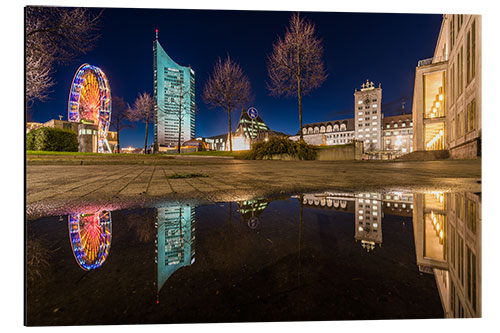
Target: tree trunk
{"x": 299, "y": 93}
{"x": 230, "y": 134}
{"x": 118, "y": 134}
{"x": 179, "y": 139}
{"x": 146, "y": 140}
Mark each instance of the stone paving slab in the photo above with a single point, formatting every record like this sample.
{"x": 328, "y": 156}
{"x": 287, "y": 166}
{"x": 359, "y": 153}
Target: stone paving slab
{"x": 53, "y": 187}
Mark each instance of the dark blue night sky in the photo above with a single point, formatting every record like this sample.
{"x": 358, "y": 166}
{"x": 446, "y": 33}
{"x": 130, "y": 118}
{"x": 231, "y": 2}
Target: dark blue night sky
{"x": 383, "y": 48}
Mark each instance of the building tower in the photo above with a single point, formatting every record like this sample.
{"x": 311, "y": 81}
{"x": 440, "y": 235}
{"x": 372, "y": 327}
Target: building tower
{"x": 174, "y": 92}
{"x": 368, "y": 116}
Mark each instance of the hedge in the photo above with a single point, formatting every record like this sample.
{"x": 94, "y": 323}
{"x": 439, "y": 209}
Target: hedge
{"x": 281, "y": 145}
{"x": 51, "y": 139}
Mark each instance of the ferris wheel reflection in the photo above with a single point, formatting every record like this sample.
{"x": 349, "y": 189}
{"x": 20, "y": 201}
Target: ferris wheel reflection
{"x": 90, "y": 237}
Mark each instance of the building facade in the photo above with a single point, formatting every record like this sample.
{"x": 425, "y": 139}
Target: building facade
{"x": 329, "y": 133}
{"x": 368, "y": 116}
{"x": 247, "y": 132}
{"x": 397, "y": 133}
{"x": 447, "y": 92}
{"x": 174, "y": 92}
{"x": 87, "y": 133}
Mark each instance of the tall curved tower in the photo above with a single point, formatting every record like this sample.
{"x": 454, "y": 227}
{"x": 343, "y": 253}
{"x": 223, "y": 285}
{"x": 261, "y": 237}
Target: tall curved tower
{"x": 174, "y": 91}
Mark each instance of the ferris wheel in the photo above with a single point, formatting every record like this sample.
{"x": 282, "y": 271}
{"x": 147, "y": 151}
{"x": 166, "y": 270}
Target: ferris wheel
{"x": 90, "y": 236}
{"x": 90, "y": 102}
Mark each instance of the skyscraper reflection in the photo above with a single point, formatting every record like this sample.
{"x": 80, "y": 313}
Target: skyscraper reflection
{"x": 175, "y": 242}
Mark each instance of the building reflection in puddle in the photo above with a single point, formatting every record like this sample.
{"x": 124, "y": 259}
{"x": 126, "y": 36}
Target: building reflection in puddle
{"x": 368, "y": 210}
{"x": 175, "y": 241}
{"x": 446, "y": 231}
{"x": 90, "y": 237}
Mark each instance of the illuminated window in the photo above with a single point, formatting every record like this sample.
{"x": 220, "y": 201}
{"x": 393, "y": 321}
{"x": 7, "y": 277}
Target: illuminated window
{"x": 374, "y": 105}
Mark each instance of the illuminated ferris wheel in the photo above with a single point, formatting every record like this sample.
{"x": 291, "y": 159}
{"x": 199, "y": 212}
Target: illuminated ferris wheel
{"x": 90, "y": 102}
{"x": 90, "y": 236}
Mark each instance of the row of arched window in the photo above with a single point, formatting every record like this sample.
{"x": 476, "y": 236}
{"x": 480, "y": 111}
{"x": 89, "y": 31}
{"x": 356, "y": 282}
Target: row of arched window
{"x": 324, "y": 129}
{"x": 325, "y": 202}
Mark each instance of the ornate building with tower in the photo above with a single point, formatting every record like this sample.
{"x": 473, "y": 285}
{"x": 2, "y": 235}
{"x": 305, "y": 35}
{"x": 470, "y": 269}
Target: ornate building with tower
{"x": 368, "y": 116}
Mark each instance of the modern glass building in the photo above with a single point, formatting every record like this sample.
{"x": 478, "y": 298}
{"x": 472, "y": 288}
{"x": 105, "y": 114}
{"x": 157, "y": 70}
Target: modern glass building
{"x": 174, "y": 94}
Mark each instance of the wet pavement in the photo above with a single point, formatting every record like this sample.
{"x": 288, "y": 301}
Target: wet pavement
{"x": 52, "y": 189}
{"x": 330, "y": 255}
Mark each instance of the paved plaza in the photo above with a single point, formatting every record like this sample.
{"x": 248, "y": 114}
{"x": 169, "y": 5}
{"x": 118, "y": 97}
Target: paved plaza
{"x": 56, "y": 189}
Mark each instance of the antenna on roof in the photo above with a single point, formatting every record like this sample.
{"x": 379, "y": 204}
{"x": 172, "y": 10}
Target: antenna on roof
{"x": 403, "y": 102}
{"x": 156, "y": 30}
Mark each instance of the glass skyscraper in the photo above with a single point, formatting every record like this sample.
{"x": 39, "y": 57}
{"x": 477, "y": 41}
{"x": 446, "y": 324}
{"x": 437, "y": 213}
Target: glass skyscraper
{"x": 174, "y": 94}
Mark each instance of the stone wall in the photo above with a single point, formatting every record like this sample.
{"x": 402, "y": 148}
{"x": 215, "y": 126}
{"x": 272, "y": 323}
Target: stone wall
{"x": 353, "y": 151}
{"x": 466, "y": 151}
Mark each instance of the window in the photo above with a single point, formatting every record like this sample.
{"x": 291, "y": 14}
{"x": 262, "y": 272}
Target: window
{"x": 461, "y": 71}
{"x": 460, "y": 260}
{"x": 452, "y": 88}
{"x": 473, "y": 50}
{"x": 468, "y": 58}
{"x": 388, "y": 126}
{"x": 460, "y": 206}
{"x": 460, "y": 125}
{"x": 471, "y": 116}
{"x": 395, "y": 125}
{"x": 360, "y": 113}
{"x": 452, "y": 246}
{"x": 452, "y": 31}
{"x": 374, "y": 105}
{"x": 471, "y": 215}
{"x": 471, "y": 278}
{"x": 360, "y": 102}
{"x": 403, "y": 124}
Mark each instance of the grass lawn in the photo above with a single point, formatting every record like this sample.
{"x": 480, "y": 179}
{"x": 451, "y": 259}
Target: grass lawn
{"x": 70, "y": 153}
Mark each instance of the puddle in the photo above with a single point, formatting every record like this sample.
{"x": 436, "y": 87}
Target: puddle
{"x": 313, "y": 256}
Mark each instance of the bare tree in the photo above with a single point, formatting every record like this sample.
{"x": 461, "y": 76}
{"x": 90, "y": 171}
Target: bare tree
{"x": 227, "y": 88}
{"x": 118, "y": 116}
{"x": 143, "y": 110}
{"x": 295, "y": 66}
{"x": 181, "y": 94}
{"x": 55, "y": 35}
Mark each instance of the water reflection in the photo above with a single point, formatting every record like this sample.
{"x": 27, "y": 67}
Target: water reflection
{"x": 305, "y": 247}
{"x": 90, "y": 236}
{"x": 175, "y": 241}
{"x": 368, "y": 210}
{"x": 448, "y": 244}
